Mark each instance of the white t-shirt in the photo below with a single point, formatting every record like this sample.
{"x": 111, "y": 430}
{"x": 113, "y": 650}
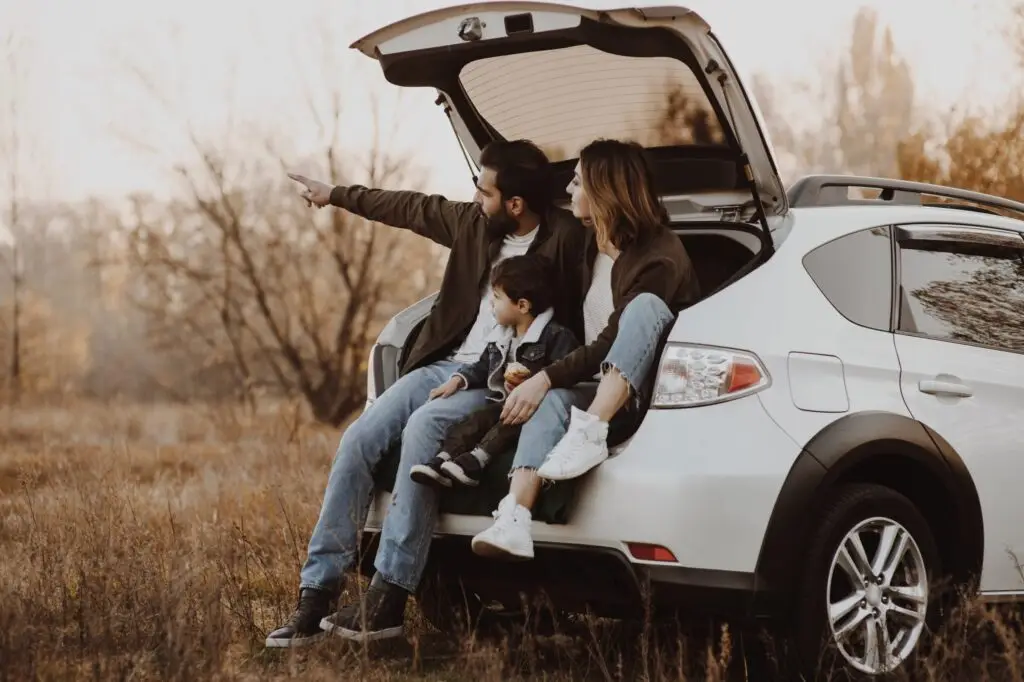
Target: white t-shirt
{"x": 485, "y": 323}
{"x": 598, "y": 305}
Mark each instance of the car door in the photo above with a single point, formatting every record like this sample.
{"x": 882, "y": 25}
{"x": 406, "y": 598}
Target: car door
{"x": 960, "y": 341}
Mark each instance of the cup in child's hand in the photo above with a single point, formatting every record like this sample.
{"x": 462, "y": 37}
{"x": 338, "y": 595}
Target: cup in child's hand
{"x": 516, "y": 373}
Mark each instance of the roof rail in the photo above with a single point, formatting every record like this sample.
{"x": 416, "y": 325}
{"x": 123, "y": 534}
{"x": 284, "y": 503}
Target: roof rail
{"x": 832, "y": 190}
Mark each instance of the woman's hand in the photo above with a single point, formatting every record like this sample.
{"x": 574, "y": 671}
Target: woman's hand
{"x": 447, "y": 389}
{"x": 524, "y": 400}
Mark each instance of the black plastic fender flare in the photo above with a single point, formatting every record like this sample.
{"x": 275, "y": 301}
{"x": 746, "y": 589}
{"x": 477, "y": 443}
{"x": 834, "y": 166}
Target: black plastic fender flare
{"x": 836, "y": 451}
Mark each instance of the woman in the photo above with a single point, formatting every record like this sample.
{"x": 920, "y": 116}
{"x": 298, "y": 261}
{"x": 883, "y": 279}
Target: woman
{"x": 637, "y": 277}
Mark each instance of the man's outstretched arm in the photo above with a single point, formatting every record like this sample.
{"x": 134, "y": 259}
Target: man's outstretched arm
{"x": 429, "y": 215}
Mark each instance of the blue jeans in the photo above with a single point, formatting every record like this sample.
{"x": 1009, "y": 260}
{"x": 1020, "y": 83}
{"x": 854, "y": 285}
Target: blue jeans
{"x": 401, "y": 412}
{"x": 641, "y": 325}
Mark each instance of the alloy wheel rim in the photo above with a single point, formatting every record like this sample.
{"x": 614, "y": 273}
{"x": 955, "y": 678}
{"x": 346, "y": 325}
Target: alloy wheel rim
{"x": 877, "y": 595}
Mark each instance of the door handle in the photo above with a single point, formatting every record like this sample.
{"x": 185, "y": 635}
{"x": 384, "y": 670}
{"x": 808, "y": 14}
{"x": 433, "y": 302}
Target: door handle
{"x": 950, "y": 388}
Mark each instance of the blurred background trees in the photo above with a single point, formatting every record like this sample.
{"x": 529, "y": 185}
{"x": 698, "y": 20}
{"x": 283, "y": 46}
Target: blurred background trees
{"x": 229, "y": 288}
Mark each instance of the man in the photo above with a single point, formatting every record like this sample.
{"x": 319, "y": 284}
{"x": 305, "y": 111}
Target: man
{"x": 511, "y": 214}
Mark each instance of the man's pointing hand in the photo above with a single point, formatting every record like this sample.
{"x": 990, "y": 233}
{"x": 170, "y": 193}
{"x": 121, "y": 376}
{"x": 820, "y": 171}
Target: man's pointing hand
{"x": 316, "y": 193}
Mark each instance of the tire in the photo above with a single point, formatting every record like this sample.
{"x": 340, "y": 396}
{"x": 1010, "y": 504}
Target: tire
{"x": 875, "y": 512}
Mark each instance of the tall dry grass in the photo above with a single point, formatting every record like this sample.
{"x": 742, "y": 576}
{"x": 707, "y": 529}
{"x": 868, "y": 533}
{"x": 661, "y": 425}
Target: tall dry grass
{"x": 143, "y": 543}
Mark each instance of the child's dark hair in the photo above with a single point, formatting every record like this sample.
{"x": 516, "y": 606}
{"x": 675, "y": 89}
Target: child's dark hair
{"x": 526, "y": 277}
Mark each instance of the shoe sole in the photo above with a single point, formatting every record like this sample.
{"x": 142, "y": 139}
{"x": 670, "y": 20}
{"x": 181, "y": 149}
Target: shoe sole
{"x": 361, "y": 637}
{"x": 424, "y": 475}
{"x": 456, "y": 472}
{"x": 548, "y": 476}
{"x": 292, "y": 642}
{"x": 491, "y": 551}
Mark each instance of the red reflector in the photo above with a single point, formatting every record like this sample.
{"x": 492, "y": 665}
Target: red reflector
{"x": 645, "y": 552}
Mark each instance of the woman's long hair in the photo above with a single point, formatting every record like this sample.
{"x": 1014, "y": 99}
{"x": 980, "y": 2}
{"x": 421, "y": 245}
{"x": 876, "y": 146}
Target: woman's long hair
{"x": 619, "y": 183}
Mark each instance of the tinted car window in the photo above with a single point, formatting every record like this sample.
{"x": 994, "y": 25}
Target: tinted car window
{"x": 971, "y": 294}
{"x": 564, "y": 98}
{"x": 855, "y": 274}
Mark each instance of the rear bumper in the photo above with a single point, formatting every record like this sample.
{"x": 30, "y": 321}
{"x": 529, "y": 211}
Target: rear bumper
{"x": 595, "y": 580}
{"x": 701, "y": 483}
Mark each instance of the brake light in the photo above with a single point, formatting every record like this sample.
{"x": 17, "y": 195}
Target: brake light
{"x": 689, "y": 376}
{"x": 644, "y": 552}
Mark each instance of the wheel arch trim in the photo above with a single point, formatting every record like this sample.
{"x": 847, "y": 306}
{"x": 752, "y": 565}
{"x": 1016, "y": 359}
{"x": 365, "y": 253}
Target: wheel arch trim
{"x": 837, "y": 450}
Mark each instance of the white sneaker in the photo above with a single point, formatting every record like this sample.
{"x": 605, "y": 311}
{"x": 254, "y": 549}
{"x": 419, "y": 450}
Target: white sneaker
{"x": 509, "y": 536}
{"x": 583, "y": 447}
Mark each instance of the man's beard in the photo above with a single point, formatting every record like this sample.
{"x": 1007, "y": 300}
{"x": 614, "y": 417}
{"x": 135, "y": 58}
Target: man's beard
{"x": 501, "y": 225}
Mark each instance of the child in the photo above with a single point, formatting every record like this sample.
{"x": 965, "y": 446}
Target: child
{"x": 525, "y": 340}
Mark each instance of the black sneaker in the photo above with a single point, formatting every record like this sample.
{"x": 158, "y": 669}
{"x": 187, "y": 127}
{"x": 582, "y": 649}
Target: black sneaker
{"x": 382, "y": 611}
{"x": 466, "y": 469}
{"x": 430, "y": 473}
{"x": 303, "y": 628}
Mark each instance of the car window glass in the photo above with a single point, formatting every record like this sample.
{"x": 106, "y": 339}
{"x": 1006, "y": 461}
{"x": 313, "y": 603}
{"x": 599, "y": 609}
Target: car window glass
{"x": 963, "y": 292}
{"x": 855, "y": 274}
{"x": 564, "y": 98}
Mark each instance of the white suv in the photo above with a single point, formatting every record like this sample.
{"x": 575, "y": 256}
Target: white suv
{"x": 832, "y": 430}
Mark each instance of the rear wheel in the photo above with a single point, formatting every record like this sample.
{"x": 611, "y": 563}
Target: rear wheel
{"x": 866, "y": 595}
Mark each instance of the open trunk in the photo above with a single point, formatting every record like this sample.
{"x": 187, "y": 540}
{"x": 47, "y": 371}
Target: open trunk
{"x": 562, "y": 76}
{"x": 718, "y": 253}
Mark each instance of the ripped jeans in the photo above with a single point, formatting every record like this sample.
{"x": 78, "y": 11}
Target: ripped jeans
{"x": 401, "y": 412}
{"x": 641, "y": 325}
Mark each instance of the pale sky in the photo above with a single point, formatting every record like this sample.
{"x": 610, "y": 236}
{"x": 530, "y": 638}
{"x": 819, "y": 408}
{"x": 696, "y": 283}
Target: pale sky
{"x": 254, "y": 52}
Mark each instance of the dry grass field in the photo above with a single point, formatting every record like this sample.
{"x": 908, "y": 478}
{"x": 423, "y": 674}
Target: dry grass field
{"x": 161, "y": 543}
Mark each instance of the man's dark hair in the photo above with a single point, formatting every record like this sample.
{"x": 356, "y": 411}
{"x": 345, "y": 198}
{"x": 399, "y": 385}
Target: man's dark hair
{"x": 521, "y": 170}
{"x": 526, "y": 277}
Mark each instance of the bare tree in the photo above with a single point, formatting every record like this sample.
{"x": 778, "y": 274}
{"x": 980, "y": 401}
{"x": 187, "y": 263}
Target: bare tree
{"x": 275, "y": 296}
{"x": 875, "y": 98}
{"x": 854, "y": 120}
{"x": 1014, "y": 30}
{"x": 12, "y": 154}
{"x": 685, "y": 120}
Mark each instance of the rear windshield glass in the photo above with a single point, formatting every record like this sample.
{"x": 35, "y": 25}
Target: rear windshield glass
{"x": 562, "y": 99}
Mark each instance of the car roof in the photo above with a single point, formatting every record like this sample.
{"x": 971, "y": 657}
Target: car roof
{"x": 816, "y": 225}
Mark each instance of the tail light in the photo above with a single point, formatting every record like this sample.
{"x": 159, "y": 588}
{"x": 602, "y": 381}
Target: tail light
{"x": 689, "y": 376}
{"x": 371, "y": 379}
